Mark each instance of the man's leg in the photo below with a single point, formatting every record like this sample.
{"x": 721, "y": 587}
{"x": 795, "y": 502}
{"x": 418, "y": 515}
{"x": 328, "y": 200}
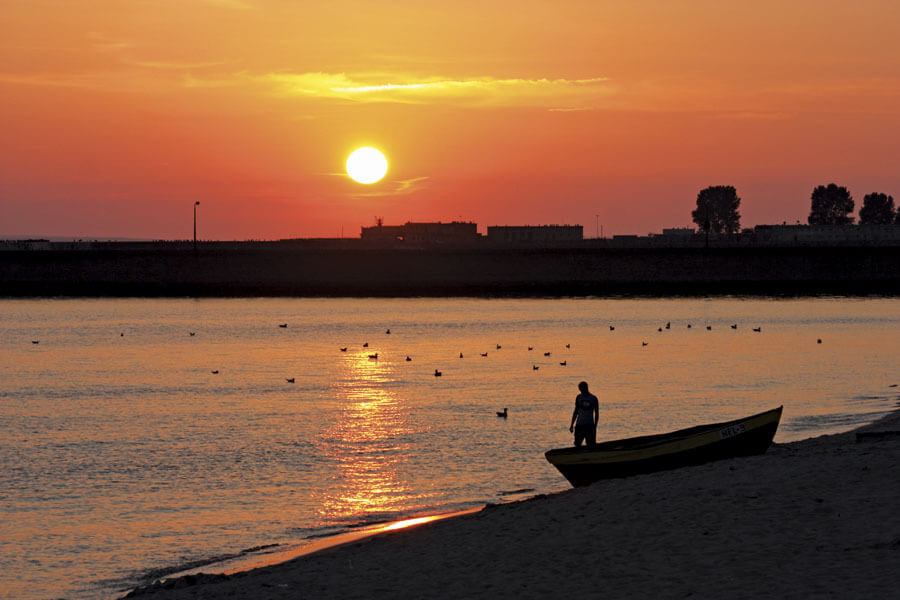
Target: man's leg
{"x": 580, "y": 434}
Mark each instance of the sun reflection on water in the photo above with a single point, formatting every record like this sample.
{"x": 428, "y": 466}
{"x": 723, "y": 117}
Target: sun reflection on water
{"x": 410, "y": 523}
{"x": 368, "y": 442}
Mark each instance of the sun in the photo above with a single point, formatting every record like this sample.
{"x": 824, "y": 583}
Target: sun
{"x": 366, "y": 165}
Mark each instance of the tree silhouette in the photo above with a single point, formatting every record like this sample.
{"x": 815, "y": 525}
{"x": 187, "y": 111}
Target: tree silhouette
{"x": 831, "y": 205}
{"x": 877, "y": 209}
{"x": 717, "y": 210}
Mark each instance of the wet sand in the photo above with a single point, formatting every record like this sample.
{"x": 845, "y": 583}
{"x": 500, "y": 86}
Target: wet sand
{"x": 815, "y": 518}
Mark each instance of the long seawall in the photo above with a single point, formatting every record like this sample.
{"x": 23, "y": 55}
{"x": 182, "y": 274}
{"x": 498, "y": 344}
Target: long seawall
{"x": 285, "y": 270}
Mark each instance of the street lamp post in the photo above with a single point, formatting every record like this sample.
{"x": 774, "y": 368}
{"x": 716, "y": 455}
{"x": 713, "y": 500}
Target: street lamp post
{"x": 196, "y": 204}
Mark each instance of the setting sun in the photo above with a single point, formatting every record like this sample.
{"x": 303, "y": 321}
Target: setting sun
{"x": 366, "y": 165}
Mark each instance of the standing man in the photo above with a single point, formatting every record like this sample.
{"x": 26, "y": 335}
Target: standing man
{"x": 586, "y": 416}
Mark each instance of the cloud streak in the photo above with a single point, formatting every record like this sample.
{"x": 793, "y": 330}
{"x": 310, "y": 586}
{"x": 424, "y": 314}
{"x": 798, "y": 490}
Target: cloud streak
{"x": 137, "y": 75}
{"x": 401, "y": 188}
{"x": 476, "y": 90}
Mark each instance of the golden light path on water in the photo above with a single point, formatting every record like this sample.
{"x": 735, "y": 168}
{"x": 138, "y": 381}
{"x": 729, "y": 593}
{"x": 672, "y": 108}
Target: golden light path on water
{"x": 366, "y": 443}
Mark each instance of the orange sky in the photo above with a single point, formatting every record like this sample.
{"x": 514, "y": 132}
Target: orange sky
{"x": 116, "y": 116}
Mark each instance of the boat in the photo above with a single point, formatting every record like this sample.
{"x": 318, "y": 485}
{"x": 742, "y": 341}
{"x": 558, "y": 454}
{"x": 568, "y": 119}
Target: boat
{"x": 650, "y": 453}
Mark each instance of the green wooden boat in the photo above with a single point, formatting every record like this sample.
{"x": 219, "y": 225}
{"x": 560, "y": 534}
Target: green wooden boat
{"x": 650, "y": 453}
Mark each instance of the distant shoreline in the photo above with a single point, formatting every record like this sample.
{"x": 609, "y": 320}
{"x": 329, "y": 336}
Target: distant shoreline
{"x": 298, "y": 271}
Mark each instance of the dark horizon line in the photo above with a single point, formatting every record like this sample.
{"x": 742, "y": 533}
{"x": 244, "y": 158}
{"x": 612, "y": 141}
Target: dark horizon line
{"x": 103, "y": 238}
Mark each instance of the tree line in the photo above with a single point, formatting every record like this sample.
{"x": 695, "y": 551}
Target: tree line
{"x": 718, "y": 208}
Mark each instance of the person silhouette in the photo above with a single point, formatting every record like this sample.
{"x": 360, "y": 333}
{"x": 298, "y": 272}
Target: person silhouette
{"x": 585, "y": 416}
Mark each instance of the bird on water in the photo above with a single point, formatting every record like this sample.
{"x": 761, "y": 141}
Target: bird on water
{"x": 503, "y": 414}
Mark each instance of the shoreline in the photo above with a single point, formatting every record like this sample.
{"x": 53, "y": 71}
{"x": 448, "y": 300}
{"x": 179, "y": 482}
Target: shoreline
{"x": 570, "y": 289}
{"x": 822, "y": 504}
{"x": 275, "y": 554}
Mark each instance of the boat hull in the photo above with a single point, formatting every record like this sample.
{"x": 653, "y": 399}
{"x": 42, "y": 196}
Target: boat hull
{"x": 685, "y": 447}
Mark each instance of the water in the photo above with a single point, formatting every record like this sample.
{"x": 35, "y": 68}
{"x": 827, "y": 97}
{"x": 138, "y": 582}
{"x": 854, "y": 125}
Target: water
{"x": 121, "y": 451}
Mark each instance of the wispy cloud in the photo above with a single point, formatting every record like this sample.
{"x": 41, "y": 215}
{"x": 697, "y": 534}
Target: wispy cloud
{"x": 130, "y": 73}
{"x": 400, "y": 188}
{"x": 409, "y": 185}
{"x": 478, "y": 90}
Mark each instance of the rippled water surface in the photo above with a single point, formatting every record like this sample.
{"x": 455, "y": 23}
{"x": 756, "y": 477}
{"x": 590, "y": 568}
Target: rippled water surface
{"x": 121, "y": 451}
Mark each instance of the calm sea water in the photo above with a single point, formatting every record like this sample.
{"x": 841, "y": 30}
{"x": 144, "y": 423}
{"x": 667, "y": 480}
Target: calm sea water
{"x": 121, "y": 451}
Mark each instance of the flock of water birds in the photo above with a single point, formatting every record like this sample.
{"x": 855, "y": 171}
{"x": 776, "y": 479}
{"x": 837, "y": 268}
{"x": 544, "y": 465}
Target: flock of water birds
{"x": 439, "y": 373}
{"x": 644, "y": 343}
{"x": 534, "y": 367}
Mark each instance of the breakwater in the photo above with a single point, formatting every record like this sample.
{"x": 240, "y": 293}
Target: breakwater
{"x": 275, "y": 269}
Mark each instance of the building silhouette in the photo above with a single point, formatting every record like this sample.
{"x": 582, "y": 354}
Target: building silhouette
{"x": 455, "y": 233}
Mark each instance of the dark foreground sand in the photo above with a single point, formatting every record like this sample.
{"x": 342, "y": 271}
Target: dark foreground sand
{"x": 811, "y": 519}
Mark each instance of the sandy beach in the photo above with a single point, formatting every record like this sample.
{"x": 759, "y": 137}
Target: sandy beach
{"x": 815, "y": 518}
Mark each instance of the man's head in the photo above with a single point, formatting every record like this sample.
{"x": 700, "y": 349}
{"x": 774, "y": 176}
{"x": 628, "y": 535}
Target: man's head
{"x": 583, "y": 387}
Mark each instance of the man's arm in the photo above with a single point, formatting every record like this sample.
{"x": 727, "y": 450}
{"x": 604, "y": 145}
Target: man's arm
{"x": 574, "y": 416}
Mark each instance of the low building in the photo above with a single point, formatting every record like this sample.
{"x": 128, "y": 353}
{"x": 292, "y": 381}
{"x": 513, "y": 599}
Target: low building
{"x": 455, "y": 233}
{"x": 382, "y": 233}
